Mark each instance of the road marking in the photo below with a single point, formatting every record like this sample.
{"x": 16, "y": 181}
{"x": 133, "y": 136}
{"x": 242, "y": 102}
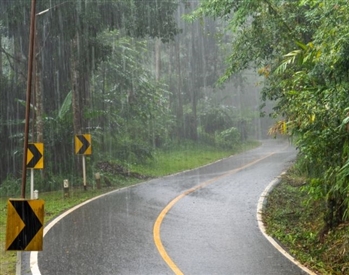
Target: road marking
{"x": 260, "y": 206}
{"x": 34, "y": 268}
{"x": 163, "y": 213}
{"x": 33, "y": 258}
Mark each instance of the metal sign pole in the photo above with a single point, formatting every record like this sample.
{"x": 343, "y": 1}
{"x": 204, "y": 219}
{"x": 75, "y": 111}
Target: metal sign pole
{"x": 28, "y": 96}
{"x": 19, "y": 263}
{"x": 32, "y": 183}
{"x": 27, "y": 114}
{"x": 84, "y": 171}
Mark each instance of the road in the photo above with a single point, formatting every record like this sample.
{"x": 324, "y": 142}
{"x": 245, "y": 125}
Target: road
{"x": 197, "y": 222}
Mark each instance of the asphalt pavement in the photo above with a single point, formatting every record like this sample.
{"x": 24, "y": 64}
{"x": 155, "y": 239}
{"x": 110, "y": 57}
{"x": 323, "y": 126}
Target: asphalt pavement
{"x": 200, "y": 222}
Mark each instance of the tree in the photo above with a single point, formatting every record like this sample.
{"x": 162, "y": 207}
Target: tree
{"x": 321, "y": 79}
{"x": 197, "y": 65}
{"x": 300, "y": 48}
{"x": 68, "y": 55}
{"x": 133, "y": 104}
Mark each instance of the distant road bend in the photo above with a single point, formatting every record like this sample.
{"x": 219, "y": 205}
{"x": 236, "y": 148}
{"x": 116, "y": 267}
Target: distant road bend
{"x": 200, "y": 222}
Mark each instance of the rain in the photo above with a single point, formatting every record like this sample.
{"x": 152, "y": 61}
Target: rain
{"x": 136, "y": 76}
{"x": 106, "y": 67}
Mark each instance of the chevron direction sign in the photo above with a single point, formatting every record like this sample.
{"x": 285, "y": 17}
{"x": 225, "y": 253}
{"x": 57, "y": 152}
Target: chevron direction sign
{"x": 24, "y": 229}
{"x": 35, "y": 156}
{"x": 83, "y": 144}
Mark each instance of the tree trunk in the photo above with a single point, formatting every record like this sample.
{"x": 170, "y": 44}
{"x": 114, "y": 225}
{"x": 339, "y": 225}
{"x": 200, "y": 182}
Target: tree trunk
{"x": 75, "y": 86}
{"x": 157, "y": 58}
{"x": 38, "y": 93}
{"x": 194, "y": 85}
{"x": 38, "y": 121}
{"x": 179, "y": 109}
{"x": 19, "y": 64}
{"x": 0, "y": 57}
{"x": 74, "y": 78}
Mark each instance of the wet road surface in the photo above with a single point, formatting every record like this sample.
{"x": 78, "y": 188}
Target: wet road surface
{"x": 210, "y": 229}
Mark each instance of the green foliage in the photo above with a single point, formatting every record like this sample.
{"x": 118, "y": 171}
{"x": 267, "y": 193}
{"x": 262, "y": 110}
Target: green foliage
{"x": 314, "y": 102}
{"x": 218, "y": 120}
{"x": 10, "y": 187}
{"x": 215, "y": 117}
{"x": 175, "y": 158}
{"x": 187, "y": 155}
{"x": 205, "y": 137}
{"x": 229, "y": 138}
{"x": 262, "y": 30}
{"x": 157, "y": 15}
{"x": 66, "y": 105}
{"x": 132, "y": 104}
{"x": 133, "y": 151}
{"x": 301, "y": 49}
{"x": 77, "y": 42}
{"x": 298, "y": 225}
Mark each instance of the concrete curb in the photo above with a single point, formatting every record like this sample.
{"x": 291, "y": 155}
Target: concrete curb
{"x": 261, "y": 204}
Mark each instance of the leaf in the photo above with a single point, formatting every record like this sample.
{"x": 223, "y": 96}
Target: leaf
{"x": 65, "y": 106}
{"x": 302, "y": 46}
{"x": 24, "y": 103}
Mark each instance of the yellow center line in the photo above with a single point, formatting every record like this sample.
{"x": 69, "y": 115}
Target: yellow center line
{"x": 163, "y": 213}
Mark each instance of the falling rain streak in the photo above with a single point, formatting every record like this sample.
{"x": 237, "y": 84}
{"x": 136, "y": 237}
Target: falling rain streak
{"x": 134, "y": 74}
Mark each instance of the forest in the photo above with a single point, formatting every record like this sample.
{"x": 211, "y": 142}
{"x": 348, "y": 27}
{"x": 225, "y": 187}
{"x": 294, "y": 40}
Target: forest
{"x": 135, "y": 75}
{"x": 141, "y": 75}
{"x": 301, "y": 49}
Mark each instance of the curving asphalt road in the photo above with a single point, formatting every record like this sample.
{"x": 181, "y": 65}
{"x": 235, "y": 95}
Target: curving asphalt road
{"x": 197, "y": 222}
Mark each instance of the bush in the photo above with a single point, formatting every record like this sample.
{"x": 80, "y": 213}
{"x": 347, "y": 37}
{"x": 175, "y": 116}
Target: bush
{"x": 228, "y": 138}
{"x": 10, "y": 187}
{"x": 205, "y": 137}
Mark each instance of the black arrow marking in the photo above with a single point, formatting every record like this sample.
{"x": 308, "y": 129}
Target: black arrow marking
{"x": 31, "y": 228}
{"x": 85, "y": 144}
{"x": 36, "y": 155}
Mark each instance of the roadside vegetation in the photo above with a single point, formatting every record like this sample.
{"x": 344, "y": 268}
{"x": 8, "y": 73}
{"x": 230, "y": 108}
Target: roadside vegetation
{"x": 146, "y": 79}
{"x": 114, "y": 176}
{"x": 298, "y": 224}
{"x": 300, "y": 48}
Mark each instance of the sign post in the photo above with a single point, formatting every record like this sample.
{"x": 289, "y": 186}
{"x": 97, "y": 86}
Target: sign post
{"x": 24, "y": 228}
{"x": 35, "y": 160}
{"x": 83, "y": 147}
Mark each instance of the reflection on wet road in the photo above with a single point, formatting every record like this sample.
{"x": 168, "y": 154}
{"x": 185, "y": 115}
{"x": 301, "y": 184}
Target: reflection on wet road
{"x": 198, "y": 222}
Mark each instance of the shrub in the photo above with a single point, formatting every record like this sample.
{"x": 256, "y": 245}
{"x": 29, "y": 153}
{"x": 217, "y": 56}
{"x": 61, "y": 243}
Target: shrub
{"x": 10, "y": 187}
{"x": 228, "y": 138}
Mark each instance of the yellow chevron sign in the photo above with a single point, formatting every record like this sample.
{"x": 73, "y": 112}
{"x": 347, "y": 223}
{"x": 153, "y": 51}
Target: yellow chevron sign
{"x": 24, "y": 228}
{"x": 83, "y": 144}
{"x": 35, "y": 156}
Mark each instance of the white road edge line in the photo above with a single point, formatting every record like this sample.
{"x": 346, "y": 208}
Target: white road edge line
{"x": 33, "y": 261}
{"x": 261, "y": 203}
{"x": 34, "y": 267}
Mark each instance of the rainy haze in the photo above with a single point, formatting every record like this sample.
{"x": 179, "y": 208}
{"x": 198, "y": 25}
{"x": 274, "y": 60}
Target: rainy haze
{"x": 135, "y": 75}
{"x": 103, "y": 91}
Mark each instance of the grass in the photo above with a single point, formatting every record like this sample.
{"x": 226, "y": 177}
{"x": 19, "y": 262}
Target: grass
{"x": 185, "y": 157}
{"x": 167, "y": 162}
{"x": 295, "y": 223}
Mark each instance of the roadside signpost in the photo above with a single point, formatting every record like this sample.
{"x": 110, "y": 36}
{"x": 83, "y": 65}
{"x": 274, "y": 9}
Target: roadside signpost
{"x": 83, "y": 144}
{"x": 35, "y": 156}
{"x": 35, "y": 160}
{"x": 25, "y": 218}
{"x": 83, "y": 147}
{"x": 24, "y": 228}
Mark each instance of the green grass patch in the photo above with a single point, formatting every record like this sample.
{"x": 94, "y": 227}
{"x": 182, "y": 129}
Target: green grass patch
{"x": 296, "y": 223}
{"x": 186, "y": 157}
{"x": 165, "y": 162}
